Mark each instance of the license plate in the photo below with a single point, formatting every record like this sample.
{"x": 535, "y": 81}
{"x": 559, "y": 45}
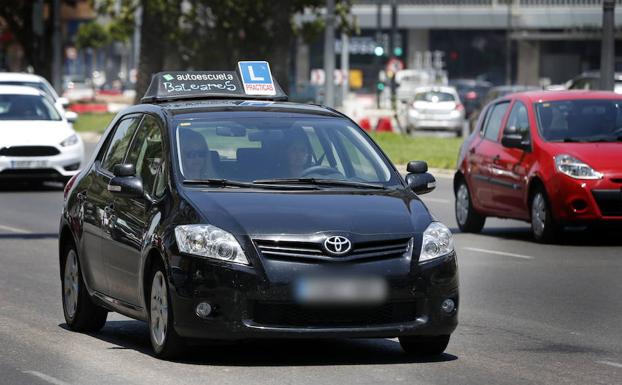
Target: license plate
{"x": 341, "y": 290}
{"x": 29, "y": 164}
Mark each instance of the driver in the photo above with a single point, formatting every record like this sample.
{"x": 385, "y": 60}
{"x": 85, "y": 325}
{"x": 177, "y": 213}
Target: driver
{"x": 196, "y": 159}
{"x": 297, "y": 156}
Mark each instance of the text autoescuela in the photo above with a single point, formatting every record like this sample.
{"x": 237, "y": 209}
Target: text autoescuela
{"x": 184, "y": 87}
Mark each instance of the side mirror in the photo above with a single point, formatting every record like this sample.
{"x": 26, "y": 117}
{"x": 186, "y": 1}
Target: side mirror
{"x": 63, "y": 101}
{"x": 417, "y": 167}
{"x": 123, "y": 170}
{"x": 515, "y": 141}
{"x": 71, "y": 116}
{"x": 125, "y": 183}
{"x": 421, "y": 183}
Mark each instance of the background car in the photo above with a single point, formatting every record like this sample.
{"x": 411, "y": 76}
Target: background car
{"x": 552, "y": 158}
{"x": 36, "y": 141}
{"x": 437, "y": 108}
{"x": 590, "y": 80}
{"x": 471, "y": 92}
{"x": 30, "y": 80}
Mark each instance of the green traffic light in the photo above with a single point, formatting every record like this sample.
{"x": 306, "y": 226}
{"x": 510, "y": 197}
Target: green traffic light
{"x": 398, "y": 51}
{"x": 380, "y": 86}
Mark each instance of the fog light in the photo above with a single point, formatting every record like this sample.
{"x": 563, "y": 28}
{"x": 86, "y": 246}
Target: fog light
{"x": 204, "y": 309}
{"x": 448, "y": 305}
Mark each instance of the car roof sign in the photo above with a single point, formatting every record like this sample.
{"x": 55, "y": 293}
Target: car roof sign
{"x": 257, "y": 78}
{"x": 186, "y": 85}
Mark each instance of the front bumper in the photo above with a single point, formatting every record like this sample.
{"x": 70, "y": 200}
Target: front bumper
{"x": 586, "y": 201}
{"x": 247, "y": 306}
{"x": 61, "y": 166}
{"x": 439, "y": 122}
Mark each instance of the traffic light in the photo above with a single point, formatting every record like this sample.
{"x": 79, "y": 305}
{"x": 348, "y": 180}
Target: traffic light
{"x": 378, "y": 51}
{"x": 380, "y": 86}
{"x": 398, "y": 51}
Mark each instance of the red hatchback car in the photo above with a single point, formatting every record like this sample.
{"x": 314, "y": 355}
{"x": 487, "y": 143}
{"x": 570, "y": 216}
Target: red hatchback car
{"x": 552, "y": 158}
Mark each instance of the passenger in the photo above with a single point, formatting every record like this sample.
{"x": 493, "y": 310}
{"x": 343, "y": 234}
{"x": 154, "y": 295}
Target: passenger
{"x": 196, "y": 158}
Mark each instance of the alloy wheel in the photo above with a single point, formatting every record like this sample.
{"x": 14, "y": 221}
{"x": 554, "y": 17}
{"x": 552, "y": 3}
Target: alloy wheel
{"x": 538, "y": 214}
{"x": 462, "y": 204}
{"x": 159, "y": 309}
{"x": 71, "y": 284}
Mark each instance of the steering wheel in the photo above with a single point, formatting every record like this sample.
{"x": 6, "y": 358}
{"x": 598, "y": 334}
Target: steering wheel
{"x": 320, "y": 170}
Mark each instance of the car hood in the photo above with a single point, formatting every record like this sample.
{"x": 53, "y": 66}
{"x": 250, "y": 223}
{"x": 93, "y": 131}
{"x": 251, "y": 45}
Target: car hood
{"x": 307, "y": 212}
{"x": 603, "y": 157}
{"x": 33, "y": 133}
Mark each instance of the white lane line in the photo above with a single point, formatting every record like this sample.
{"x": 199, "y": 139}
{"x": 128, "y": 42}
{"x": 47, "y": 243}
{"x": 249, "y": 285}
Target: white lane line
{"x": 45, "y": 377}
{"x": 521, "y": 256}
{"x": 436, "y": 200}
{"x": 14, "y": 229}
{"x": 614, "y": 364}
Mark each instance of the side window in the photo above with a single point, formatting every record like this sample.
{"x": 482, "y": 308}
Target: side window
{"x": 493, "y": 122}
{"x": 147, "y": 156}
{"x": 518, "y": 122}
{"x": 119, "y": 143}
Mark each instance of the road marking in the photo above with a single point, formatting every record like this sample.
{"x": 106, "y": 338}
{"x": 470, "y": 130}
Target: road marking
{"x": 521, "y": 256}
{"x": 436, "y": 200}
{"x": 14, "y": 229}
{"x": 614, "y": 364}
{"x": 45, "y": 377}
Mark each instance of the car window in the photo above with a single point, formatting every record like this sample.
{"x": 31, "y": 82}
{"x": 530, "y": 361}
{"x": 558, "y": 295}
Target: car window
{"x": 580, "y": 120}
{"x": 27, "y": 107}
{"x": 518, "y": 121}
{"x": 117, "y": 146}
{"x": 493, "y": 122}
{"x": 146, "y": 155}
{"x": 269, "y": 146}
{"x": 434, "y": 96}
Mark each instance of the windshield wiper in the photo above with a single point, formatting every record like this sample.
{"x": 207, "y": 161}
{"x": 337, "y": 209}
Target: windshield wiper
{"x": 235, "y": 183}
{"x": 319, "y": 181}
{"x": 218, "y": 182}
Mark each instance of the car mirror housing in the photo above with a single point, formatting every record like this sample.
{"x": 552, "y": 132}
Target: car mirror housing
{"x": 417, "y": 167}
{"x": 129, "y": 186}
{"x": 421, "y": 183}
{"x": 515, "y": 141}
{"x": 124, "y": 170}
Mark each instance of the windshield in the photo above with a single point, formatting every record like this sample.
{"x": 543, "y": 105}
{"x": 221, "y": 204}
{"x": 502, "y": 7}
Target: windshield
{"x": 27, "y": 107}
{"x": 434, "y": 96}
{"x": 266, "y": 146}
{"x": 586, "y": 120}
{"x": 38, "y": 85}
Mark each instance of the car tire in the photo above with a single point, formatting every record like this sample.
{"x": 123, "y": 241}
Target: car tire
{"x": 544, "y": 228}
{"x": 424, "y": 346}
{"x": 469, "y": 220}
{"x": 81, "y": 314}
{"x": 166, "y": 343}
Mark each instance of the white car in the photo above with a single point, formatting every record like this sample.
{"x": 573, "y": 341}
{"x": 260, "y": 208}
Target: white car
{"x": 36, "y": 141}
{"x": 22, "y": 79}
{"x": 436, "y": 108}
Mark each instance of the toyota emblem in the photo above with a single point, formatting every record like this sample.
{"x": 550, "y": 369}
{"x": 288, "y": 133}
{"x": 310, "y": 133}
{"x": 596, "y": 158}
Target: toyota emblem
{"x": 337, "y": 245}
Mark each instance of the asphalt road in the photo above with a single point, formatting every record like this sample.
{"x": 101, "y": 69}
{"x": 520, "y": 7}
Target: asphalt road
{"x": 530, "y": 313}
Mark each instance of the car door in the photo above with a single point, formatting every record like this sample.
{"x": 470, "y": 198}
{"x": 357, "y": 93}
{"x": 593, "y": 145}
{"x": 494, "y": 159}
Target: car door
{"x": 95, "y": 199}
{"x": 482, "y": 154}
{"x": 135, "y": 218}
{"x": 511, "y": 165}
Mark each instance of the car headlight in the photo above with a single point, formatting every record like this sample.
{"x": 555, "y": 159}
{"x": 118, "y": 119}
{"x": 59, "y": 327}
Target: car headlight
{"x": 575, "y": 168}
{"x": 70, "y": 141}
{"x": 437, "y": 242}
{"x": 210, "y": 242}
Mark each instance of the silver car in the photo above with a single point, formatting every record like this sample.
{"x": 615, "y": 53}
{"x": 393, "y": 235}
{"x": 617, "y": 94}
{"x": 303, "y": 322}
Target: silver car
{"x": 436, "y": 108}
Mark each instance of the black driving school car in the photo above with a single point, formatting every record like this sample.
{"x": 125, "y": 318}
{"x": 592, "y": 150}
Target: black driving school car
{"x": 219, "y": 211}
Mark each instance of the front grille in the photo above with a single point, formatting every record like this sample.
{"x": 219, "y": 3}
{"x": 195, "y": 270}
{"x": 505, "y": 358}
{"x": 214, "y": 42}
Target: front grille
{"x": 292, "y": 315}
{"x": 609, "y": 202}
{"x": 301, "y": 250}
{"x": 29, "y": 151}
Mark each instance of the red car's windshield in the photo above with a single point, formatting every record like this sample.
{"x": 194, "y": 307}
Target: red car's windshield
{"x": 583, "y": 120}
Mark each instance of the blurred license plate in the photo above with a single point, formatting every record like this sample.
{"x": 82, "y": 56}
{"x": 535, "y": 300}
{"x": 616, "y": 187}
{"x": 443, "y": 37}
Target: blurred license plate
{"x": 29, "y": 163}
{"x": 341, "y": 290}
